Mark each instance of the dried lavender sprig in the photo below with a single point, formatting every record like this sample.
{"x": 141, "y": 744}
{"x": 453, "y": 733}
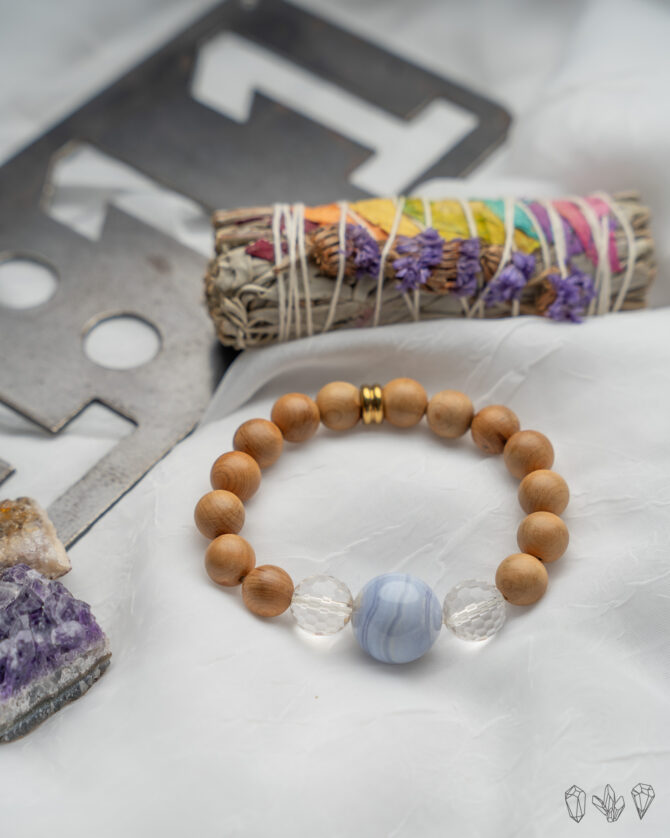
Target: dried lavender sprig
{"x": 467, "y": 268}
{"x": 573, "y": 294}
{"x": 512, "y": 279}
{"x": 364, "y": 249}
{"x": 422, "y": 252}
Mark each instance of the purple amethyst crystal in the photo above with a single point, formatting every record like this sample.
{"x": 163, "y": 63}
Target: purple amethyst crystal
{"x": 420, "y": 254}
{"x": 51, "y": 649}
{"x": 512, "y": 279}
{"x": 364, "y": 249}
{"x": 573, "y": 293}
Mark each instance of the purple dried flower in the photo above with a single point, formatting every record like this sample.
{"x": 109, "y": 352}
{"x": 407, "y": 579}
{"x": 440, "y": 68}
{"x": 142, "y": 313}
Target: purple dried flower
{"x": 431, "y": 244}
{"x": 423, "y": 252}
{"x": 467, "y": 268}
{"x": 525, "y": 262}
{"x": 363, "y": 248}
{"x": 409, "y": 272}
{"x": 573, "y": 293}
{"x": 512, "y": 279}
{"x": 573, "y": 246}
{"x": 427, "y": 245}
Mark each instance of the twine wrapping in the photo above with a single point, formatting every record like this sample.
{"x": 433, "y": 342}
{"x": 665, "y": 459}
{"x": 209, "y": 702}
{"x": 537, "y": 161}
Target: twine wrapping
{"x": 285, "y": 271}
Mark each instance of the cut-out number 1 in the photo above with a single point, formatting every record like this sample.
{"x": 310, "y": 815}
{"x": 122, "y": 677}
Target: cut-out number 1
{"x": 231, "y": 69}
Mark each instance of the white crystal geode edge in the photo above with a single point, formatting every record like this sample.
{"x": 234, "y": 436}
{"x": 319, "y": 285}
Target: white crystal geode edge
{"x": 35, "y": 542}
{"x": 45, "y": 691}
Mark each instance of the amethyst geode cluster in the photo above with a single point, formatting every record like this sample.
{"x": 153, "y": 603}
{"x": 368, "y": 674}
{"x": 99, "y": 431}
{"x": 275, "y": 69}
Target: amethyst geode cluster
{"x": 51, "y": 649}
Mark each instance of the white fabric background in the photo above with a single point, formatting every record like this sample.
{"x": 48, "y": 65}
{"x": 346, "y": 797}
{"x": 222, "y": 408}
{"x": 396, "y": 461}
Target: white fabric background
{"x": 211, "y": 722}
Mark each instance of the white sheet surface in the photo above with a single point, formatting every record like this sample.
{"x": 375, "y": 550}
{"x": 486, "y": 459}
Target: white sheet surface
{"x": 211, "y": 722}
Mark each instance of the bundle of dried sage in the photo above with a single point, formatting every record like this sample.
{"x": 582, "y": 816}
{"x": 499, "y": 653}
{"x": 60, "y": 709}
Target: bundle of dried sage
{"x": 285, "y": 271}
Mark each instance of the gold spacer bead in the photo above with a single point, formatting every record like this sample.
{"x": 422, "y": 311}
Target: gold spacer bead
{"x": 372, "y": 406}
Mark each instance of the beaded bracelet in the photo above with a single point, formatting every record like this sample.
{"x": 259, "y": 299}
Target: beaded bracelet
{"x": 396, "y": 617}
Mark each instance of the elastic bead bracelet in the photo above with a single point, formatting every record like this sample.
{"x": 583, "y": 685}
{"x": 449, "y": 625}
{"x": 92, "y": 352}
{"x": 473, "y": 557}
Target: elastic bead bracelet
{"x": 396, "y": 617}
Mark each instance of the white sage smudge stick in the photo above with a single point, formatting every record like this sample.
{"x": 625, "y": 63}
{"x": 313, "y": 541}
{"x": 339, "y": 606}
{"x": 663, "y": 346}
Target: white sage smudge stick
{"x": 287, "y": 271}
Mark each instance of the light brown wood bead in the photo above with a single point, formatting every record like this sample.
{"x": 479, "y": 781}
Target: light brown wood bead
{"x": 404, "y": 401}
{"x": 492, "y": 426}
{"x": 219, "y": 512}
{"x": 544, "y": 535}
{"x": 261, "y": 440}
{"x": 449, "y": 414}
{"x": 339, "y": 404}
{"x": 236, "y": 472}
{"x": 297, "y": 416}
{"x": 521, "y": 579}
{"x": 267, "y": 590}
{"x": 527, "y": 451}
{"x": 543, "y": 491}
{"x": 228, "y": 559}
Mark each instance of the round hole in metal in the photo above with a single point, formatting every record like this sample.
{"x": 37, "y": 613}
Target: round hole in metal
{"x": 121, "y": 342}
{"x": 25, "y": 282}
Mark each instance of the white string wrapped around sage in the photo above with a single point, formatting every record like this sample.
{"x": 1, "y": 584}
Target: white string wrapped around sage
{"x": 287, "y": 271}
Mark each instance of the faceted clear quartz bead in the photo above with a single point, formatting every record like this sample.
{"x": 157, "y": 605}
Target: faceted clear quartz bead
{"x": 474, "y": 610}
{"x": 322, "y": 604}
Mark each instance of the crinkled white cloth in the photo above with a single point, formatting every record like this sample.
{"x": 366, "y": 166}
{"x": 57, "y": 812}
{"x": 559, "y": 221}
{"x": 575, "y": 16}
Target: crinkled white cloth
{"x": 213, "y": 722}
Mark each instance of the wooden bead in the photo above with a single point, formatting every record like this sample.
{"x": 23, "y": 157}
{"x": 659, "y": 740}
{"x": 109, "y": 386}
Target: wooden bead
{"x": 228, "y": 559}
{"x": 544, "y": 535}
{"x": 296, "y": 416}
{"x": 219, "y": 512}
{"x": 267, "y": 590}
{"x": 236, "y": 472}
{"x": 261, "y": 440}
{"x": 449, "y": 414}
{"x": 339, "y": 404}
{"x": 527, "y": 451}
{"x": 543, "y": 491}
{"x": 405, "y": 402}
{"x": 492, "y": 426}
{"x": 521, "y": 579}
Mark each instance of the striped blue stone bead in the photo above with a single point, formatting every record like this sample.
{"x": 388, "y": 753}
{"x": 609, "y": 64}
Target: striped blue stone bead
{"x": 396, "y": 618}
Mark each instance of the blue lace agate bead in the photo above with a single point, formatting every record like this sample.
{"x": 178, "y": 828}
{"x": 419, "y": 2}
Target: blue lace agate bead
{"x": 396, "y": 618}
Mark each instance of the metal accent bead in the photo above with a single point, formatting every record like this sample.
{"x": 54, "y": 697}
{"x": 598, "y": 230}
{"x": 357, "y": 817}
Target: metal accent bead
{"x": 372, "y": 409}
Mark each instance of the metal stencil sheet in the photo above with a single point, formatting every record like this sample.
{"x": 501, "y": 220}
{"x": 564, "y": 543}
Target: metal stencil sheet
{"x": 151, "y": 121}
